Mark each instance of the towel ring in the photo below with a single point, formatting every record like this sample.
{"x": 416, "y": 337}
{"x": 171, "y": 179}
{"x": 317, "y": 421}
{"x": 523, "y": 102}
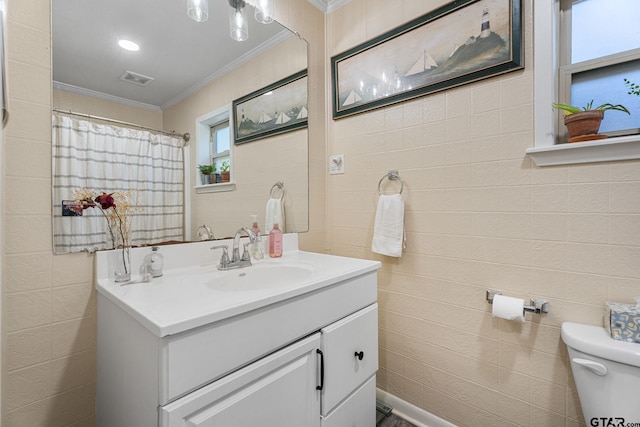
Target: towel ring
{"x": 391, "y": 176}
{"x": 277, "y": 186}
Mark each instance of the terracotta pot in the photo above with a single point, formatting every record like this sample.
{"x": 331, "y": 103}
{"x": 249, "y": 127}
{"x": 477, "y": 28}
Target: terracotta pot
{"x": 583, "y": 123}
{"x": 226, "y": 176}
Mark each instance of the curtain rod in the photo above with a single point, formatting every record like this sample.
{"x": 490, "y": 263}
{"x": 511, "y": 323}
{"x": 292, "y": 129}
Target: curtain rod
{"x": 185, "y": 136}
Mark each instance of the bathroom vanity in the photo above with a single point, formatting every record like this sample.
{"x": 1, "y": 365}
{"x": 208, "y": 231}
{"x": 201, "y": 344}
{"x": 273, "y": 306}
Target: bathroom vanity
{"x": 290, "y": 341}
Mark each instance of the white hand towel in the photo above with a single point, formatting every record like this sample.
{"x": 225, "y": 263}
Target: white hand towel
{"x": 388, "y": 230}
{"x": 274, "y": 215}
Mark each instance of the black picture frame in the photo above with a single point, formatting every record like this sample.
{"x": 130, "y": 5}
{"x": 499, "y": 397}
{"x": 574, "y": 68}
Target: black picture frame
{"x": 278, "y": 108}
{"x": 400, "y": 65}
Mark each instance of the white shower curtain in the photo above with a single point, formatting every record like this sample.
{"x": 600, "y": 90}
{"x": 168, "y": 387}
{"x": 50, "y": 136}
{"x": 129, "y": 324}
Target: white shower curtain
{"x": 108, "y": 158}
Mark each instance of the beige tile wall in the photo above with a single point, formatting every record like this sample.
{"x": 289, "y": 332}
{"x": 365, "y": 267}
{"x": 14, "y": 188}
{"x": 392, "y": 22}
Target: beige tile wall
{"x": 479, "y": 214}
{"x": 49, "y": 324}
{"x": 49, "y": 302}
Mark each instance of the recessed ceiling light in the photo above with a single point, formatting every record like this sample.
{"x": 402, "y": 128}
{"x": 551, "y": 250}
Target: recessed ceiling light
{"x": 128, "y": 45}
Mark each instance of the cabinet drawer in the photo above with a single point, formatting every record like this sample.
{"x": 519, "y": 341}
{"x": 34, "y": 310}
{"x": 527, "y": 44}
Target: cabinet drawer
{"x": 341, "y": 341}
{"x": 278, "y": 390}
{"x": 359, "y": 410}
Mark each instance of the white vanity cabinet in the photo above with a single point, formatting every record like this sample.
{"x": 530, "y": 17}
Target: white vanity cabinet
{"x": 305, "y": 359}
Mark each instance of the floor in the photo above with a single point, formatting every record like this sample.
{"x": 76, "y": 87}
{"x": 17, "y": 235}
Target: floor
{"x": 391, "y": 421}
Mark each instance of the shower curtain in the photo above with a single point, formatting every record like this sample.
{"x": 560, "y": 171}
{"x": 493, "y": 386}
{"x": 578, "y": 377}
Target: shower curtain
{"x": 108, "y": 158}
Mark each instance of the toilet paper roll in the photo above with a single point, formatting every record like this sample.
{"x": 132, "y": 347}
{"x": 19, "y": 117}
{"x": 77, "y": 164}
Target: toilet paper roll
{"x": 508, "y": 308}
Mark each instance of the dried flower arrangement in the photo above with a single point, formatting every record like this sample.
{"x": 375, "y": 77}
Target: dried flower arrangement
{"x": 118, "y": 209}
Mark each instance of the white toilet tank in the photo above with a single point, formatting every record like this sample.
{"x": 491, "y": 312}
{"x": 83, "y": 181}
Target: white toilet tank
{"x": 607, "y": 374}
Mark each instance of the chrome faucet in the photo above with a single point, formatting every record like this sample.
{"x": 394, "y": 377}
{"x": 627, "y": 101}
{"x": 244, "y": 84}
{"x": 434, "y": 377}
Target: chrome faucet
{"x": 245, "y": 253}
{"x": 204, "y": 232}
{"x": 236, "y": 260}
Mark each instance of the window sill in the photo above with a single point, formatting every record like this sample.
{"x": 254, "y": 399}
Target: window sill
{"x": 216, "y": 188}
{"x": 604, "y": 150}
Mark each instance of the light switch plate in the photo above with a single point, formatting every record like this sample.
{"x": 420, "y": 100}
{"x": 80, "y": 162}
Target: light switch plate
{"x": 336, "y": 164}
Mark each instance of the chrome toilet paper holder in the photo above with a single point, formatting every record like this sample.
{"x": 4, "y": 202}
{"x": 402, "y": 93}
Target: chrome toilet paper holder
{"x": 537, "y": 305}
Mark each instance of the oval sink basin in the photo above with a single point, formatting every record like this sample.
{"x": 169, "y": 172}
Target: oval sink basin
{"x": 255, "y": 278}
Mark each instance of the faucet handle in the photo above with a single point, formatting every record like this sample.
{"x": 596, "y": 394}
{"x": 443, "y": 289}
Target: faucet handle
{"x": 224, "y": 259}
{"x": 245, "y": 253}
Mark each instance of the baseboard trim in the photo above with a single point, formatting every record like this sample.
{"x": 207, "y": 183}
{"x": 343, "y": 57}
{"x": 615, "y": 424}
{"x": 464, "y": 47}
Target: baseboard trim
{"x": 411, "y": 413}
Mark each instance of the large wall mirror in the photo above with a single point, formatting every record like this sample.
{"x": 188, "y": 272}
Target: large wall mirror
{"x": 196, "y": 69}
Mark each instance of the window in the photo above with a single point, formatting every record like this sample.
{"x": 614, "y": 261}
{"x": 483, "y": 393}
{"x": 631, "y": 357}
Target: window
{"x": 599, "y": 48}
{"x": 220, "y": 144}
{"x": 214, "y": 133}
{"x": 591, "y": 60}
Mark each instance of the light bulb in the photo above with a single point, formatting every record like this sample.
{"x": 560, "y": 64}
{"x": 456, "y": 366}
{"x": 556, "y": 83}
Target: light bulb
{"x": 264, "y": 11}
{"x": 239, "y": 30}
{"x": 239, "y": 19}
{"x": 198, "y": 10}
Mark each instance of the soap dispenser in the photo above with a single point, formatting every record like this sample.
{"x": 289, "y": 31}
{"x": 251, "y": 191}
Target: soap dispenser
{"x": 257, "y": 248}
{"x": 156, "y": 262}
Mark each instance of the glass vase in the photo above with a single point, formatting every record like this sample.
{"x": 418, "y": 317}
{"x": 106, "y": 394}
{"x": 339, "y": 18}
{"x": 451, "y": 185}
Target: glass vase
{"x": 122, "y": 264}
{"x": 121, "y": 258}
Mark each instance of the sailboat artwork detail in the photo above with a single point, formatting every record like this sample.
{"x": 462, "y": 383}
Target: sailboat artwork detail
{"x": 458, "y": 43}
{"x": 278, "y": 108}
{"x": 424, "y": 63}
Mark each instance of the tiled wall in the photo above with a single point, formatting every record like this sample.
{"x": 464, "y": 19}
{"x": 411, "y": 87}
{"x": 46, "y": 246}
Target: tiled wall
{"x": 49, "y": 302}
{"x": 49, "y": 328}
{"x": 479, "y": 214}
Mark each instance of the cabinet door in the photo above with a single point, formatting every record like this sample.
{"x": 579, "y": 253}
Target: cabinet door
{"x": 276, "y": 391}
{"x": 358, "y": 410}
{"x": 350, "y": 350}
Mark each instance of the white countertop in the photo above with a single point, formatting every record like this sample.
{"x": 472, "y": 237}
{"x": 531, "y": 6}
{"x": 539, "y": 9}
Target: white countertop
{"x": 192, "y": 292}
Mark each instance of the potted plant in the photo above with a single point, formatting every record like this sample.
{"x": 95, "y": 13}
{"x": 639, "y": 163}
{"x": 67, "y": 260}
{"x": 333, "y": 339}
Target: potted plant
{"x": 224, "y": 171}
{"x": 206, "y": 171}
{"x": 583, "y": 123}
{"x": 634, "y": 89}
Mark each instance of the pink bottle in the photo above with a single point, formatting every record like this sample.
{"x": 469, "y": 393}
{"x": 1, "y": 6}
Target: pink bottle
{"x": 275, "y": 242}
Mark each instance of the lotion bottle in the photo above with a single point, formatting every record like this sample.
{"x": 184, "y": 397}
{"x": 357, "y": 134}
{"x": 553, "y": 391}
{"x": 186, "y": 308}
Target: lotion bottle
{"x": 156, "y": 262}
{"x": 275, "y": 242}
{"x": 257, "y": 248}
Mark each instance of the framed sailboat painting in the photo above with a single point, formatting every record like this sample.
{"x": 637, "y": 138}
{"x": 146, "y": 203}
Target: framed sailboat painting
{"x": 458, "y": 43}
{"x": 277, "y": 108}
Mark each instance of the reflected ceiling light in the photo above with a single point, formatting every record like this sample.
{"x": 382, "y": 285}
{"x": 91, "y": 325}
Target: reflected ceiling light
{"x": 198, "y": 10}
{"x": 128, "y": 45}
{"x": 239, "y": 30}
{"x": 264, "y": 11}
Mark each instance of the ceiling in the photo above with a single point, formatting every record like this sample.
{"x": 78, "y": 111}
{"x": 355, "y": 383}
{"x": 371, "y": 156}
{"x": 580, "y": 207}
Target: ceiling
{"x": 179, "y": 53}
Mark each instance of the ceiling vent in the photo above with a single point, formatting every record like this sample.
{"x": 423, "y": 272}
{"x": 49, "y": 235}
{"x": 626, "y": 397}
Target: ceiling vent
{"x": 135, "y": 78}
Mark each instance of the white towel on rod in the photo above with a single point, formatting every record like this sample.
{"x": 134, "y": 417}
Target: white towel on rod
{"x": 274, "y": 215}
{"x": 388, "y": 230}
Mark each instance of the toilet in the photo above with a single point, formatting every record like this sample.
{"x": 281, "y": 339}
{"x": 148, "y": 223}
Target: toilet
{"x": 606, "y": 372}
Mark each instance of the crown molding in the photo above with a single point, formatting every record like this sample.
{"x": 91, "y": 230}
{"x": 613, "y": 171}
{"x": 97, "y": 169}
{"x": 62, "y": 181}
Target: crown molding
{"x": 104, "y": 96}
{"x": 328, "y": 6}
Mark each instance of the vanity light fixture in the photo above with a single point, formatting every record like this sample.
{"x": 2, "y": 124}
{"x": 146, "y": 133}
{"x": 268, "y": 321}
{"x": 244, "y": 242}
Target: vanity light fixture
{"x": 198, "y": 10}
{"x": 239, "y": 30}
{"x": 128, "y": 45}
{"x": 264, "y": 11}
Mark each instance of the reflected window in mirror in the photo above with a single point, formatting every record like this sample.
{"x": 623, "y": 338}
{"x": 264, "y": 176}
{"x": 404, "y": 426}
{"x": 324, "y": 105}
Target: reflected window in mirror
{"x": 220, "y": 146}
{"x": 214, "y": 132}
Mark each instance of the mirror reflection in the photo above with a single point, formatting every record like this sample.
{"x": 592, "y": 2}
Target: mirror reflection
{"x": 183, "y": 78}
